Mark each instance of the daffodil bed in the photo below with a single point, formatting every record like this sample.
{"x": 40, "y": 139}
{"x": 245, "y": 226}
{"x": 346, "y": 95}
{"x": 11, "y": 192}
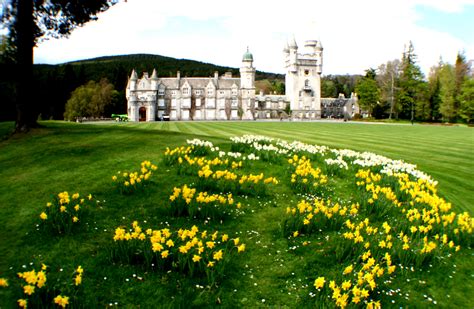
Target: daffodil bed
{"x": 358, "y": 226}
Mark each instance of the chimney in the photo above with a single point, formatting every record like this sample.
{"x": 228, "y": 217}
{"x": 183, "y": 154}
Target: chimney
{"x": 178, "y": 75}
{"x": 216, "y": 75}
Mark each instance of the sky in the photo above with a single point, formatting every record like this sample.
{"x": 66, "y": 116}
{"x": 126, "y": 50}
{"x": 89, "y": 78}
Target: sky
{"x": 356, "y": 35}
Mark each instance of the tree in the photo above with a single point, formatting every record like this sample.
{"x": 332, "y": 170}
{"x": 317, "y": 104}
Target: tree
{"x": 412, "y": 86}
{"x": 368, "y": 91}
{"x": 328, "y": 88}
{"x": 28, "y": 23}
{"x": 461, "y": 71}
{"x": 466, "y": 99}
{"x": 447, "y": 81}
{"x": 90, "y": 100}
{"x": 388, "y": 79}
{"x": 434, "y": 91}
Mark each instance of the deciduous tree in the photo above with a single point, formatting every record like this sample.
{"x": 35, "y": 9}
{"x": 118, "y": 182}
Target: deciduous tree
{"x": 388, "y": 79}
{"x": 447, "y": 81}
{"x": 90, "y": 100}
{"x": 368, "y": 91}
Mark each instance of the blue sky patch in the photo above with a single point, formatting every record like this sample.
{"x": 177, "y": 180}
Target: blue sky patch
{"x": 458, "y": 24}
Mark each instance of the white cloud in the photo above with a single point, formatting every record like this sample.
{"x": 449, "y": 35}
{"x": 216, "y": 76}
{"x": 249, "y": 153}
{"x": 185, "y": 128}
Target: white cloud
{"x": 356, "y": 35}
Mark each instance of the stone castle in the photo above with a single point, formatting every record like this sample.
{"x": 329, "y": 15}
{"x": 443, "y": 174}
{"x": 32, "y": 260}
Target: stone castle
{"x": 225, "y": 97}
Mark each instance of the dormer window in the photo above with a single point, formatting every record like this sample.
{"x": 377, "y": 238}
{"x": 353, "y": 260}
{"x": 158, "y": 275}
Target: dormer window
{"x": 161, "y": 91}
{"x": 185, "y": 91}
{"x": 210, "y": 91}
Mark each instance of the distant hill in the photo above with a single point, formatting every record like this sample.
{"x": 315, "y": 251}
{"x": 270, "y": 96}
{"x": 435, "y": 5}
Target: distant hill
{"x": 165, "y": 66}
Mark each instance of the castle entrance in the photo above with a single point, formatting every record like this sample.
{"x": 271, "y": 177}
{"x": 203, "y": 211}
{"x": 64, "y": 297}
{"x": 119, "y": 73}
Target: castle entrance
{"x": 142, "y": 114}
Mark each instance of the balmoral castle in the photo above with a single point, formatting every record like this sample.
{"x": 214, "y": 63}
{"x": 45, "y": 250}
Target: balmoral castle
{"x": 226, "y": 97}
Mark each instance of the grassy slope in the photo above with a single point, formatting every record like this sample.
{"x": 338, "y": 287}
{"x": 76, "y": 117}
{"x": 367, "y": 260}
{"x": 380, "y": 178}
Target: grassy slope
{"x": 82, "y": 158}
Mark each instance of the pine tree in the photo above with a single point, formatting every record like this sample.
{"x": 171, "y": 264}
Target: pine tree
{"x": 412, "y": 94}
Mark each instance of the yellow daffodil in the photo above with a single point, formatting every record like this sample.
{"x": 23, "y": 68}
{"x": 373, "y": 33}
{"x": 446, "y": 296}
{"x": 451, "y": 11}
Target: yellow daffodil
{"x": 78, "y": 280}
{"x": 29, "y": 289}
{"x": 347, "y": 270}
{"x": 3, "y": 282}
{"x": 62, "y": 301}
{"x": 22, "y": 303}
{"x": 217, "y": 255}
{"x": 319, "y": 282}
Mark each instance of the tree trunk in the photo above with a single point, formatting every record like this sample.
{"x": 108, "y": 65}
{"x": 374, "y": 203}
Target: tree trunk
{"x": 26, "y": 117}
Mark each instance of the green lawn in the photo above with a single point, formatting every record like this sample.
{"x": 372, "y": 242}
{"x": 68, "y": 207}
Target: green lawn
{"x": 83, "y": 157}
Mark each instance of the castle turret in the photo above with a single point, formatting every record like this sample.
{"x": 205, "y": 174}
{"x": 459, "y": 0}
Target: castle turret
{"x": 247, "y": 72}
{"x": 133, "y": 80}
{"x": 293, "y": 48}
{"x": 319, "y": 54}
{"x": 154, "y": 80}
{"x": 247, "y": 85}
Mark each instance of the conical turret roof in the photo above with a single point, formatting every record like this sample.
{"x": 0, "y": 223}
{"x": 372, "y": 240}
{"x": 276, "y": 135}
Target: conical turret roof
{"x": 134, "y": 75}
{"x": 154, "y": 75}
{"x": 292, "y": 44}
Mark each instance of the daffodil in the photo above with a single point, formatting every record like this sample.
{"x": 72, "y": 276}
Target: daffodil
{"x": 3, "y": 282}
{"x": 319, "y": 282}
{"x": 62, "y": 301}
{"x": 217, "y": 255}
{"x": 29, "y": 289}
{"x": 22, "y": 303}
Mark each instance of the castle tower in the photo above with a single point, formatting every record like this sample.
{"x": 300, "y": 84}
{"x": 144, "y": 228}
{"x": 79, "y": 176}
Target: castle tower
{"x": 154, "y": 81}
{"x": 303, "y": 79}
{"x": 247, "y": 85}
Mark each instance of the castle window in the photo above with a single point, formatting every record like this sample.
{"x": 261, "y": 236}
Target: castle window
{"x": 198, "y": 92}
{"x": 221, "y": 92}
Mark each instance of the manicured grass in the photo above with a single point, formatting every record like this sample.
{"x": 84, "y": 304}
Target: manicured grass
{"x": 82, "y": 158}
